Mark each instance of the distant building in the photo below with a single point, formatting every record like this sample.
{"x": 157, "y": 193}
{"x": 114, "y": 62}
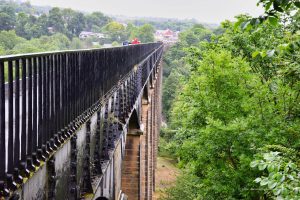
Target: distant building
{"x": 86, "y": 34}
{"x": 167, "y": 36}
{"x": 168, "y": 33}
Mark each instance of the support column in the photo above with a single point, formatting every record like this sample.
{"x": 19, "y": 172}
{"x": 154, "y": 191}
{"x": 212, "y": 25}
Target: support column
{"x": 131, "y": 165}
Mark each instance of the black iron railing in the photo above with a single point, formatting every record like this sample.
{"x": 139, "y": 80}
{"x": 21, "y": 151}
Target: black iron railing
{"x": 42, "y": 94}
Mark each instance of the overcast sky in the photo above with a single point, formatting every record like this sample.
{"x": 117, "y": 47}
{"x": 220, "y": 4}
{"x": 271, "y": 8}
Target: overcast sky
{"x": 212, "y": 11}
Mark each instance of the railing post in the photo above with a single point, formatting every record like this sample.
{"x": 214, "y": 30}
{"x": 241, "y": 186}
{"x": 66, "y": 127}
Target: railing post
{"x": 3, "y": 190}
{"x": 10, "y": 164}
{"x": 17, "y": 178}
{"x": 23, "y": 166}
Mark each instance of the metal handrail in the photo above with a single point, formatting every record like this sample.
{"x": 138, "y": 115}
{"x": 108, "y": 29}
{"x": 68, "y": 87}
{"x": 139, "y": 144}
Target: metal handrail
{"x": 46, "y": 92}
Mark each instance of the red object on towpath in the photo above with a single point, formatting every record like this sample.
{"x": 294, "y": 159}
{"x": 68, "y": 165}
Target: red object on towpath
{"x": 135, "y": 41}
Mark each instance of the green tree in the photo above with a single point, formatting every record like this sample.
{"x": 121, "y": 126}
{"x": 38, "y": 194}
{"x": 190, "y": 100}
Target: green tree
{"x": 55, "y": 20}
{"x": 9, "y": 39}
{"x": 196, "y": 34}
{"x": 2, "y": 51}
{"x": 242, "y": 96}
{"x": 96, "y": 19}
{"x": 7, "y": 18}
{"x": 144, "y": 33}
{"x": 76, "y": 44}
{"x": 25, "y": 47}
{"x": 22, "y": 20}
{"x": 74, "y": 22}
{"x": 42, "y": 24}
{"x": 116, "y": 31}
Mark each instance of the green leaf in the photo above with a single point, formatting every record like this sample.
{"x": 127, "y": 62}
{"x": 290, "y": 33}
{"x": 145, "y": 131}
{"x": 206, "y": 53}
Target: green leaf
{"x": 264, "y": 182}
{"x": 268, "y": 5}
{"x": 282, "y": 178}
{"x": 254, "y": 163}
{"x": 293, "y": 166}
{"x": 283, "y": 47}
{"x": 273, "y": 20}
{"x": 262, "y": 166}
{"x": 237, "y": 24}
{"x": 270, "y": 53}
{"x": 272, "y": 185}
{"x": 271, "y": 168}
{"x": 246, "y": 25}
{"x": 277, "y": 192}
{"x": 296, "y": 190}
{"x": 297, "y": 4}
{"x": 291, "y": 177}
{"x": 257, "y": 180}
{"x": 255, "y": 53}
{"x": 263, "y": 54}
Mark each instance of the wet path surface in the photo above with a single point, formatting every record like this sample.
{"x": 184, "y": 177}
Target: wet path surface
{"x": 165, "y": 176}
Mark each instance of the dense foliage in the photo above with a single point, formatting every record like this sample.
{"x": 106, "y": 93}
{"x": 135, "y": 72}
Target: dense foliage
{"x": 236, "y": 113}
{"x": 25, "y": 28}
{"x": 176, "y": 70}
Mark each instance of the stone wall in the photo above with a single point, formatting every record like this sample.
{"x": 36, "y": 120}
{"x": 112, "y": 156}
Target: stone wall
{"x": 139, "y": 164}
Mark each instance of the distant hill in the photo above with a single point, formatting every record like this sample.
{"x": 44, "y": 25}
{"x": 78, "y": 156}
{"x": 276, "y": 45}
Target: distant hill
{"x": 163, "y": 23}
{"x": 158, "y": 23}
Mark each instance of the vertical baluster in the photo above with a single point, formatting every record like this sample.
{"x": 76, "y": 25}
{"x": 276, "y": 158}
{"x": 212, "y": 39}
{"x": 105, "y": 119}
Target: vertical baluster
{"x": 24, "y": 171}
{"x": 29, "y": 122}
{"x": 72, "y": 85}
{"x": 56, "y": 116}
{"x": 47, "y": 99}
{"x": 40, "y": 131}
{"x": 40, "y": 102}
{"x": 45, "y": 105}
{"x": 64, "y": 89}
{"x": 59, "y": 93}
{"x": 69, "y": 89}
{"x": 93, "y": 85}
{"x": 55, "y": 95}
{"x": 95, "y": 76}
{"x": 75, "y": 86}
{"x": 83, "y": 86}
{"x": 2, "y": 127}
{"x": 81, "y": 83}
{"x": 85, "y": 68}
{"x": 51, "y": 97}
{"x": 23, "y": 135}
{"x": 73, "y": 73}
{"x": 78, "y": 82}
{"x": 17, "y": 121}
{"x": 88, "y": 81}
{"x": 29, "y": 116}
{"x": 10, "y": 149}
{"x": 35, "y": 113}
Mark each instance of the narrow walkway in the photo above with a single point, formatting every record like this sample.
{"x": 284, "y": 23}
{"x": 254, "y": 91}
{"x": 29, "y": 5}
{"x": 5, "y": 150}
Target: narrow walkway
{"x": 165, "y": 176}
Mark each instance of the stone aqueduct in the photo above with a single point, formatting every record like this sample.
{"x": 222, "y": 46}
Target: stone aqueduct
{"x": 80, "y": 124}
